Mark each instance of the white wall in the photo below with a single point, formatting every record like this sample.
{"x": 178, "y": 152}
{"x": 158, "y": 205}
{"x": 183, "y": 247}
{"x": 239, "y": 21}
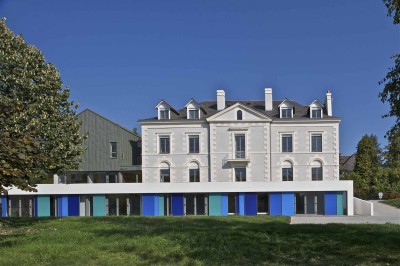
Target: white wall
{"x": 362, "y": 207}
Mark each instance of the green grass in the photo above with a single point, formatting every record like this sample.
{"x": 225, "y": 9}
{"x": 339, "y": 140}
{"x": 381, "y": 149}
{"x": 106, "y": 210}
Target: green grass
{"x": 392, "y": 202}
{"x": 194, "y": 241}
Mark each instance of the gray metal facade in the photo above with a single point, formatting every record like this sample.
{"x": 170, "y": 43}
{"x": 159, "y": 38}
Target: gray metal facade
{"x": 101, "y": 132}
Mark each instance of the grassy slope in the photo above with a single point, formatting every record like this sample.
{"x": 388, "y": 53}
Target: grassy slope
{"x": 194, "y": 240}
{"x": 392, "y": 202}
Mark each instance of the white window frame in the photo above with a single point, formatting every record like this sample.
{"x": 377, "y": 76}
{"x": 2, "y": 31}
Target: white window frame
{"x": 281, "y": 142}
{"x": 316, "y": 108}
{"x": 188, "y": 138}
{"x": 113, "y": 152}
{"x": 163, "y": 135}
{"x": 197, "y": 110}
{"x": 234, "y": 144}
{"x": 322, "y": 141}
{"x": 286, "y": 108}
{"x": 164, "y": 109}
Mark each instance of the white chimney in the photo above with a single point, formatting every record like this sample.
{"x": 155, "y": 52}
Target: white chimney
{"x": 268, "y": 99}
{"x": 220, "y": 100}
{"x": 328, "y": 102}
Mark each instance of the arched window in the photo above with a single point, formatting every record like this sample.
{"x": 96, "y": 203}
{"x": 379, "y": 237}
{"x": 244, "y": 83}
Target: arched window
{"x": 164, "y": 173}
{"x": 287, "y": 171}
{"x": 239, "y": 115}
{"x": 316, "y": 171}
{"x": 194, "y": 172}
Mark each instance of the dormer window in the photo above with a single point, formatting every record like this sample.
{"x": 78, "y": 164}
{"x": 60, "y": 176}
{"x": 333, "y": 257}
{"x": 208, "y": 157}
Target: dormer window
{"x": 316, "y": 109}
{"x": 316, "y": 112}
{"x": 193, "y": 109}
{"x": 286, "y": 109}
{"x": 193, "y": 113}
{"x": 164, "y": 114}
{"x": 286, "y": 112}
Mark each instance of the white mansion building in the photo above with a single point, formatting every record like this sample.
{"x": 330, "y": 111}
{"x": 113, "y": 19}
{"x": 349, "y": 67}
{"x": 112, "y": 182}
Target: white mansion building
{"x": 209, "y": 158}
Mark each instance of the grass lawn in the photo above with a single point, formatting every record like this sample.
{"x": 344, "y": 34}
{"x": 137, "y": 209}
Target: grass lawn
{"x": 194, "y": 241}
{"x": 392, "y": 202}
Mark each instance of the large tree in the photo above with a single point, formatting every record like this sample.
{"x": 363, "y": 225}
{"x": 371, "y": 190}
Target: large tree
{"x": 39, "y": 133}
{"x": 368, "y": 158}
{"x": 392, "y": 154}
{"x": 391, "y": 90}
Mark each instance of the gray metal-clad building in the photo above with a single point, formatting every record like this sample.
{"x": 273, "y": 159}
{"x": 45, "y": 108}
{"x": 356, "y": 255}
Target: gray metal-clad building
{"x": 113, "y": 153}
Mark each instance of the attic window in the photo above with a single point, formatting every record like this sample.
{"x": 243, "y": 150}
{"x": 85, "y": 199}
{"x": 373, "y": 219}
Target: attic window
{"x": 286, "y": 112}
{"x": 164, "y": 114}
{"x": 316, "y": 112}
{"x": 239, "y": 115}
{"x": 193, "y": 114}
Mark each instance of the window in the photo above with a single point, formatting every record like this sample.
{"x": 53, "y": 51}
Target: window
{"x": 286, "y": 112}
{"x": 239, "y": 115}
{"x": 113, "y": 150}
{"x": 316, "y": 112}
{"x": 287, "y": 173}
{"x": 164, "y": 176}
{"x": 316, "y": 143}
{"x": 240, "y": 143}
{"x": 287, "y": 145}
{"x": 193, "y": 114}
{"x": 194, "y": 175}
{"x": 316, "y": 171}
{"x": 240, "y": 174}
{"x": 164, "y": 114}
{"x": 194, "y": 144}
{"x": 164, "y": 145}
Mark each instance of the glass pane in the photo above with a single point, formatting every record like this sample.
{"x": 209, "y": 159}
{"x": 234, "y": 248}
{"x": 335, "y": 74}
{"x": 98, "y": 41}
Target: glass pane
{"x": 189, "y": 204}
{"x": 112, "y": 205}
{"x": 200, "y": 204}
{"x": 231, "y": 202}
{"x": 300, "y": 203}
{"x": 25, "y": 210}
{"x": 135, "y": 205}
{"x": 240, "y": 174}
{"x": 262, "y": 202}
{"x": 122, "y": 205}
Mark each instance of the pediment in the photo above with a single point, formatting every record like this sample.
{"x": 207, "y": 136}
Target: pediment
{"x": 230, "y": 114}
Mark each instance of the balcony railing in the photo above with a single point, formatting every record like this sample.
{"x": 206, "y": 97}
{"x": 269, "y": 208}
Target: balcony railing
{"x": 240, "y": 155}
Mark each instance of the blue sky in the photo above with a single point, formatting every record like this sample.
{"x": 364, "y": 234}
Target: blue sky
{"x": 120, "y": 58}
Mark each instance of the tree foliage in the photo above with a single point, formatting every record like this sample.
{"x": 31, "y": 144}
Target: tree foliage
{"x": 392, "y": 153}
{"x": 391, "y": 82}
{"x": 368, "y": 158}
{"x": 39, "y": 134}
{"x": 393, "y": 7}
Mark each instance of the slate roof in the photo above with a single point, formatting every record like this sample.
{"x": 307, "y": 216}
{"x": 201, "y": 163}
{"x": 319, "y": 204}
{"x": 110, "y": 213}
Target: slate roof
{"x": 209, "y": 108}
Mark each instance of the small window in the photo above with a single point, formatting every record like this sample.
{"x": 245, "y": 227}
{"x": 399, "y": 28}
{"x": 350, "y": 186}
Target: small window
{"x": 316, "y": 112}
{"x": 240, "y": 174}
{"x": 287, "y": 174}
{"x": 194, "y": 144}
{"x": 316, "y": 171}
{"x": 239, "y": 115}
{"x": 164, "y": 114}
{"x": 287, "y": 171}
{"x": 113, "y": 150}
{"x": 164, "y": 176}
{"x": 287, "y": 143}
{"x": 316, "y": 143}
{"x": 193, "y": 114}
{"x": 194, "y": 175}
{"x": 240, "y": 149}
{"x": 164, "y": 145}
{"x": 286, "y": 112}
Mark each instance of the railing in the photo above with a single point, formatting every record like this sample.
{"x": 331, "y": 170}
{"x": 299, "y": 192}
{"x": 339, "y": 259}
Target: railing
{"x": 240, "y": 155}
